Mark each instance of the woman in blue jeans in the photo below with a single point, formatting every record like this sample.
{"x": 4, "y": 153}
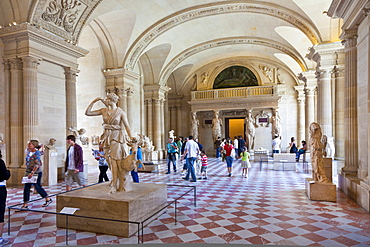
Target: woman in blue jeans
{"x": 33, "y": 163}
{"x": 301, "y": 150}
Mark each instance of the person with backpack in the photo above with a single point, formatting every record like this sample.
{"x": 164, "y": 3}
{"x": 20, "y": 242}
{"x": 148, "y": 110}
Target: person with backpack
{"x": 4, "y": 175}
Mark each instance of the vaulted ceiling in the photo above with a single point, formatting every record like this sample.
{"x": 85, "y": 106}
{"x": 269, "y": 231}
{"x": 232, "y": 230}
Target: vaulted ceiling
{"x": 168, "y": 35}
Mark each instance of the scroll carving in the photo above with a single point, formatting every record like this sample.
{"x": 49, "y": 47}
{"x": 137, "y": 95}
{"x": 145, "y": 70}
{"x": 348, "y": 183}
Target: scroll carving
{"x": 63, "y": 13}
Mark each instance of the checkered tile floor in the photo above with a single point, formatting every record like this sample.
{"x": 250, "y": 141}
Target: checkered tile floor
{"x": 269, "y": 207}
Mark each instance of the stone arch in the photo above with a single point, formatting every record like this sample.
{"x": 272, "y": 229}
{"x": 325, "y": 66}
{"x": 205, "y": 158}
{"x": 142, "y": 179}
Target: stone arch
{"x": 229, "y": 7}
{"x": 228, "y": 41}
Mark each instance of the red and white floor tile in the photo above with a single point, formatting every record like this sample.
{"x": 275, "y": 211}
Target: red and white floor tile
{"x": 269, "y": 207}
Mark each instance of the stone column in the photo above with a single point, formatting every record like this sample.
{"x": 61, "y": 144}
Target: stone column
{"x": 16, "y": 124}
{"x": 350, "y": 119}
{"x": 130, "y": 93}
{"x": 157, "y": 140}
{"x": 309, "y": 91}
{"x": 301, "y": 113}
{"x": 179, "y": 120}
{"x": 30, "y": 98}
{"x": 7, "y": 92}
{"x": 163, "y": 124}
{"x": 339, "y": 96}
{"x": 123, "y": 99}
{"x": 324, "y": 101}
{"x": 173, "y": 119}
{"x": 149, "y": 119}
{"x": 71, "y": 106}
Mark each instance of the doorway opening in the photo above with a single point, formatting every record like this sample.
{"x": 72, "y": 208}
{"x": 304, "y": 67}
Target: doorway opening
{"x": 234, "y": 127}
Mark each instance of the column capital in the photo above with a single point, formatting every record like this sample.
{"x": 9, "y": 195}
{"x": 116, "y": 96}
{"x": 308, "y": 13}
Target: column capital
{"x": 71, "y": 74}
{"x": 30, "y": 62}
{"x": 129, "y": 91}
{"x": 6, "y": 64}
{"x": 349, "y": 37}
{"x": 15, "y": 64}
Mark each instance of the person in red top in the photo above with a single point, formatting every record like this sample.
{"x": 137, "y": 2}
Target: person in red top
{"x": 204, "y": 160}
{"x": 229, "y": 159}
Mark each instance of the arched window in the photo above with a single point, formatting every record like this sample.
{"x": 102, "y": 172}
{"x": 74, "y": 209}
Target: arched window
{"x": 235, "y": 76}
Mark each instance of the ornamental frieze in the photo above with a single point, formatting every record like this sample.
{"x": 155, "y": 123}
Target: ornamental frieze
{"x": 221, "y": 8}
{"x": 64, "y": 18}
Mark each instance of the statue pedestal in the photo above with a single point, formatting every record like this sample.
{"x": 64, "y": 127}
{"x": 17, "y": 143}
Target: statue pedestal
{"x": 50, "y": 169}
{"x": 320, "y": 191}
{"x": 95, "y": 201}
{"x": 328, "y": 168}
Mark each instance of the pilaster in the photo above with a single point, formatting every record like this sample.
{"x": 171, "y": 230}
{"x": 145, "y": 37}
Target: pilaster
{"x": 71, "y": 96}
{"x": 16, "y": 122}
{"x": 350, "y": 120}
{"x": 301, "y": 112}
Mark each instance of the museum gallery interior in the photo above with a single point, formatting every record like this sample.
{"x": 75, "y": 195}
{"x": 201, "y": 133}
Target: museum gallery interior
{"x": 204, "y": 68}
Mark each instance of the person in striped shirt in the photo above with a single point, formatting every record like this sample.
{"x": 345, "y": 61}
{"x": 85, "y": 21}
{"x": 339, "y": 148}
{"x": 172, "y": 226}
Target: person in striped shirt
{"x": 203, "y": 169}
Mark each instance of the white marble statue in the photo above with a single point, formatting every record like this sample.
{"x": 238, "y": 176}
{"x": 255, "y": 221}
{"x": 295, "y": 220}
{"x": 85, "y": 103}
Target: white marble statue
{"x": 216, "y": 126}
{"x": 1, "y": 138}
{"x": 117, "y": 133}
{"x": 79, "y": 134}
{"x": 316, "y": 148}
{"x": 171, "y": 134}
{"x": 147, "y": 148}
{"x": 330, "y": 148}
{"x": 194, "y": 125}
{"x": 276, "y": 123}
{"x": 51, "y": 144}
{"x": 250, "y": 130}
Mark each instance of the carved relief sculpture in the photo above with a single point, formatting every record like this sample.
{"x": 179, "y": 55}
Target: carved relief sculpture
{"x": 114, "y": 139}
{"x": 268, "y": 72}
{"x": 262, "y": 119}
{"x": 279, "y": 78}
{"x": 216, "y": 126}
{"x": 194, "y": 125}
{"x": 316, "y": 148}
{"x": 64, "y": 13}
{"x": 204, "y": 77}
{"x": 250, "y": 130}
{"x": 276, "y": 123}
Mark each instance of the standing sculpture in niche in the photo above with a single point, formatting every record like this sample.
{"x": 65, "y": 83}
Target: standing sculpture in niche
{"x": 250, "y": 130}
{"x": 114, "y": 140}
{"x": 330, "y": 148}
{"x": 276, "y": 123}
{"x": 316, "y": 148}
{"x": 194, "y": 125}
{"x": 216, "y": 126}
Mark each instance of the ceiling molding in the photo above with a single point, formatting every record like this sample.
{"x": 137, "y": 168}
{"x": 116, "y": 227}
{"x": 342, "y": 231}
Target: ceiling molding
{"x": 165, "y": 24}
{"x": 171, "y": 66}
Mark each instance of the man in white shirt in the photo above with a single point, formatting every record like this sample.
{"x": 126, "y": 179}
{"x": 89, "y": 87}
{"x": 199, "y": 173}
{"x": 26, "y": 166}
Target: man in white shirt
{"x": 192, "y": 151}
{"x": 236, "y": 147}
{"x": 276, "y": 143}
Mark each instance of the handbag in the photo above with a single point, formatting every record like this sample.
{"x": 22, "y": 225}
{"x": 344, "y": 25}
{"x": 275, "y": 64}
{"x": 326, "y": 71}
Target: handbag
{"x": 32, "y": 180}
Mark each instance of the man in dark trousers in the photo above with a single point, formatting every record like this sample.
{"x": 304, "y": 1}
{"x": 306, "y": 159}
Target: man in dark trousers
{"x": 241, "y": 145}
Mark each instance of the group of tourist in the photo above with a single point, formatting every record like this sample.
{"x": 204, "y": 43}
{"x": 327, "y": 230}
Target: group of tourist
{"x": 294, "y": 149}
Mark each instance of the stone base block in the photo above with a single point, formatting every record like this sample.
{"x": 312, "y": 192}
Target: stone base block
{"x": 149, "y": 167}
{"x": 285, "y": 166}
{"x": 321, "y": 191}
{"x": 95, "y": 201}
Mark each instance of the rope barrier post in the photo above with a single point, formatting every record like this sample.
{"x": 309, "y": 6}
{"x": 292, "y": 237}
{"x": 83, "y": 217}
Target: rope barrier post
{"x": 8, "y": 221}
{"x": 175, "y": 212}
{"x": 67, "y": 229}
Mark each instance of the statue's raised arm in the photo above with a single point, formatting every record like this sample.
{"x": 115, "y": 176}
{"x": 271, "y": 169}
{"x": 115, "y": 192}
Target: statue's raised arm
{"x": 90, "y": 112}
